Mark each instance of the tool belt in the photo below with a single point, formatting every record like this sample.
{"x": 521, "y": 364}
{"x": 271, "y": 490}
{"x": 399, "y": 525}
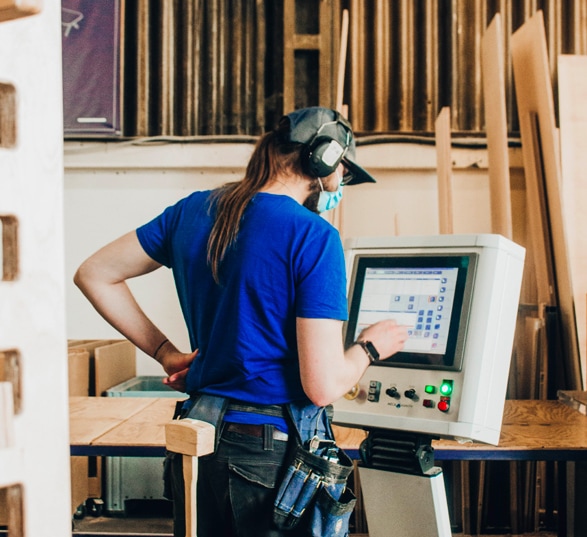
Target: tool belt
{"x": 314, "y": 490}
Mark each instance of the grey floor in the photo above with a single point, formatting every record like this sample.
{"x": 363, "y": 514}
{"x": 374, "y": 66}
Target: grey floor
{"x": 162, "y": 527}
{"x": 153, "y": 519}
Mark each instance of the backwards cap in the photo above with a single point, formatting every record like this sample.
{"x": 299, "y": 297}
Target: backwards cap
{"x": 310, "y": 124}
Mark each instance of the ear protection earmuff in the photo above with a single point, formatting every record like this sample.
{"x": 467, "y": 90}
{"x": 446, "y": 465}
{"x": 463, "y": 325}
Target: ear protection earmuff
{"x": 326, "y": 149}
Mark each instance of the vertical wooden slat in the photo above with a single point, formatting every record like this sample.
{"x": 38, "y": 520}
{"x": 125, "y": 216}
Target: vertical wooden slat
{"x": 167, "y": 97}
{"x": 428, "y": 86}
{"x": 357, "y": 63}
{"x": 143, "y": 72}
{"x": 236, "y": 65}
{"x": 382, "y": 65}
{"x": 444, "y": 170}
{"x": 209, "y": 75}
{"x": 340, "y": 75}
{"x": 191, "y": 67}
{"x": 492, "y": 56}
{"x": 289, "y": 14}
{"x": 258, "y": 48}
{"x": 407, "y": 36}
{"x": 469, "y": 23}
{"x": 326, "y": 64}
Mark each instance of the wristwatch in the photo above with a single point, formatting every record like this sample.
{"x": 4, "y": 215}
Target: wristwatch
{"x": 369, "y": 349}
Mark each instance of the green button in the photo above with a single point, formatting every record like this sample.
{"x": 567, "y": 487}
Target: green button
{"x": 446, "y": 387}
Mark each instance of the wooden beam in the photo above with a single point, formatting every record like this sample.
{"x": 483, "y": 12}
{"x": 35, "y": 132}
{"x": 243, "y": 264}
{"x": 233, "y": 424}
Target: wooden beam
{"x": 493, "y": 71}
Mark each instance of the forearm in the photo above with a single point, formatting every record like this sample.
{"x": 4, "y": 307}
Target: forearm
{"x": 326, "y": 370}
{"x": 102, "y": 279}
{"x": 116, "y": 304}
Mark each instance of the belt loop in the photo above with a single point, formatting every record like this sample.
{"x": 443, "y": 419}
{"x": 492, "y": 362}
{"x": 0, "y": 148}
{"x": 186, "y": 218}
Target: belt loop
{"x": 268, "y": 437}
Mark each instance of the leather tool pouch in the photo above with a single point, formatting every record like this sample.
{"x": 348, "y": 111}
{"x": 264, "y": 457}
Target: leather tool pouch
{"x": 313, "y": 491}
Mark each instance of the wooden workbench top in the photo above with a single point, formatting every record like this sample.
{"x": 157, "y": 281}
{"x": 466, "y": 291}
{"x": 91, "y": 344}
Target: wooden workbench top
{"x": 528, "y": 426}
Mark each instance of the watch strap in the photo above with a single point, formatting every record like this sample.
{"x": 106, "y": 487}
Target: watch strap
{"x": 369, "y": 349}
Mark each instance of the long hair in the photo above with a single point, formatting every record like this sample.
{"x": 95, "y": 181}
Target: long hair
{"x": 271, "y": 157}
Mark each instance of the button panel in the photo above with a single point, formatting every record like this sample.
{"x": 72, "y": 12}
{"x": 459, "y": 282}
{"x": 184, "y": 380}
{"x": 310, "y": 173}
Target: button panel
{"x": 435, "y": 396}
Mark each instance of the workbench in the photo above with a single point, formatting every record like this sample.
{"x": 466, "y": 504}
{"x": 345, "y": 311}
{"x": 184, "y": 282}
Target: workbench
{"x": 134, "y": 426}
{"x": 531, "y": 431}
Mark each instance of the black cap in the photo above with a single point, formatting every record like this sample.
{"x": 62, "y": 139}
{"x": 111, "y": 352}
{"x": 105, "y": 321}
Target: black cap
{"x": 307, "y": 124}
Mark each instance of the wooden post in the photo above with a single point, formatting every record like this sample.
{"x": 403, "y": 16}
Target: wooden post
{"x": 444, "y": 170}
{"x": 193, "y": 439}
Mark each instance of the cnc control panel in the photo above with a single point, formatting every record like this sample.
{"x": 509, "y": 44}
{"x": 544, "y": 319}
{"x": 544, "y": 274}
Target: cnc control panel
{"x": 458, "y": 295}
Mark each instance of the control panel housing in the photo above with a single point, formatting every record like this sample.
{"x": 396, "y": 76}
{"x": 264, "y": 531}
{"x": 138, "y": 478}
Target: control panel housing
{"x": 458, "y": 295}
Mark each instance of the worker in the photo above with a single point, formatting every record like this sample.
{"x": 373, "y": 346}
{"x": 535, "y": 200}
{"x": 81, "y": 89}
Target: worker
{"x": 261, "y": 282}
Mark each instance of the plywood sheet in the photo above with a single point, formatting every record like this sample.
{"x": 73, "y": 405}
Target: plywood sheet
{"x": 572, "y": 95}
{"x": 541, "y": 158}
{"x": 91, "y": 417}
{"x": 113, "y": 364}
{"x": 144, "y": 428}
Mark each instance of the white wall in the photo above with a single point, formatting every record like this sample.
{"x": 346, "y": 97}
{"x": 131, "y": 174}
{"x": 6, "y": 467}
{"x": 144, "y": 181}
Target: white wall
{"x": 111, "y": 188}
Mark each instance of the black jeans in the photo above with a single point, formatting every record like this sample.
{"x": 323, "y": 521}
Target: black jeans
{"x": 237, "y": 486}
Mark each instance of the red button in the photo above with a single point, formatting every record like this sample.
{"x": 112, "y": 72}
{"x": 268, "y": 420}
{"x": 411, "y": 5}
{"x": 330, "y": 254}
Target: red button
{"x": 443, "y": 406}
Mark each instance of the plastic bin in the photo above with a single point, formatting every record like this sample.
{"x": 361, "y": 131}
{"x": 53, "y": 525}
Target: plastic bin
{"x": 135, "y": 478}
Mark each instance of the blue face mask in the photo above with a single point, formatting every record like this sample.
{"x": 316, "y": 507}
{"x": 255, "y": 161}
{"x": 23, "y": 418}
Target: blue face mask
{"x": 328, "y": 200}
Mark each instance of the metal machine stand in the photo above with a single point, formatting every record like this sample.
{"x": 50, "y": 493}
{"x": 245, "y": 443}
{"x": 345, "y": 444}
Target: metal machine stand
{"x": 403, "y": 491}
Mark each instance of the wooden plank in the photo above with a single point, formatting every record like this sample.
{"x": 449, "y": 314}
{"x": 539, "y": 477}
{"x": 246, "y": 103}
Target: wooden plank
{"x": 91, "y": 417}
{"x": 444, "y": 170}
{"x": 144, "y": 428}
{"x": 344, "y": 37}
{"x": 572, "y": 99}
{"x": 542, "y": 168}
{"x": 493, "y": 70}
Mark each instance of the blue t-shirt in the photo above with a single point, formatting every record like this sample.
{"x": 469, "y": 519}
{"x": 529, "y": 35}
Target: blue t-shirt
{"x": 287, "y": 262}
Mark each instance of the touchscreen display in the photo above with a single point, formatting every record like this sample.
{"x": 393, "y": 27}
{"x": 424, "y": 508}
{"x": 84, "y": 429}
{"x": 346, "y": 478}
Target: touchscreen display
{"x": 428, "y": 294}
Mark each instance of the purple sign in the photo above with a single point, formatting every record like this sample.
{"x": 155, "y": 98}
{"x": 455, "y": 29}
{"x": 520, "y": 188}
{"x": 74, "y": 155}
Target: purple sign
{"x": 91, "y": 67}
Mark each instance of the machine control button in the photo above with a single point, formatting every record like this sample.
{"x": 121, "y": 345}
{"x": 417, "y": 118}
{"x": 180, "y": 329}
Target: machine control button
{"x": 374, "y": 391}
{"x": 392, "y": 392}
{"x": 446, "y": 387}
{"x": 443, "y": 406}
{"x": 411, "y": 393}
{"x": 429, "y": 388}
{"x": 428, "y": 403}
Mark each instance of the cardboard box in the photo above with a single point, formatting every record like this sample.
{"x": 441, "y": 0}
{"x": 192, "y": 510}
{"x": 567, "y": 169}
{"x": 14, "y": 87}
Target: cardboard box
{"x": 104, "y": 363}
{"x": 79, "y": 372}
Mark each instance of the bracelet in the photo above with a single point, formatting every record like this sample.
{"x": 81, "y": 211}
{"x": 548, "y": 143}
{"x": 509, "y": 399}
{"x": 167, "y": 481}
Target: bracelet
{"x": 159, "y": 348}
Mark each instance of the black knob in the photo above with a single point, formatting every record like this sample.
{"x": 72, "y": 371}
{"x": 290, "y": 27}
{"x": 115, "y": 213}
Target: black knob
{"x": 392, "y": 392}
{"x": 410, "y": 394}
